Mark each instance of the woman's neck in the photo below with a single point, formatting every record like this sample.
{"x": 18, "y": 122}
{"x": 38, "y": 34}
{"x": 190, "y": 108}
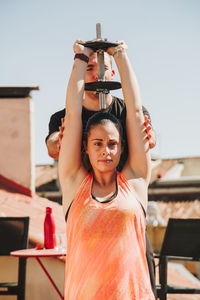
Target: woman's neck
{"x": 104, "y": 186}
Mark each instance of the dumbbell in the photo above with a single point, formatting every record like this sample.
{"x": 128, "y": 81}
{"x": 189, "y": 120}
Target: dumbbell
{"x": 101, "y": 86}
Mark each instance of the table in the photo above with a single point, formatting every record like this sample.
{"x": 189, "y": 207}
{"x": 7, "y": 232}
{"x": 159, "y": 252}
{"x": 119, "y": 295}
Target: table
{"x": 37, "y": 254}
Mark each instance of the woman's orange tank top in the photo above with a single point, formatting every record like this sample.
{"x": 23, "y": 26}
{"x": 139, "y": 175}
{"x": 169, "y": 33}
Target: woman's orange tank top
{"x": 106, "y": 253}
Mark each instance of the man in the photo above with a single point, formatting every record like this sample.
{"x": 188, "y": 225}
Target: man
{"x": 91, "y": 105}
{"x": 115, "y": 106}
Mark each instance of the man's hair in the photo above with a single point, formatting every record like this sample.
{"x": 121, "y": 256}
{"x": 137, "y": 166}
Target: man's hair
{"x": 102, "y": 118}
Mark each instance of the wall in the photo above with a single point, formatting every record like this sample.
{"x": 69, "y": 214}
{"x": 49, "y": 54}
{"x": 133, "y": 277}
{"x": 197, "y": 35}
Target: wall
{"x": 16, "y": 132}
{"x": 191, "y": 167}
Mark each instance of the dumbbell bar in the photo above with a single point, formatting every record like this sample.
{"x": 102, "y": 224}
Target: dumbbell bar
{"x": 102, "y": 86}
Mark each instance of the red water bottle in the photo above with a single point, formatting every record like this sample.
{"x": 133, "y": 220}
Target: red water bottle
{"x": 49, "y": 229}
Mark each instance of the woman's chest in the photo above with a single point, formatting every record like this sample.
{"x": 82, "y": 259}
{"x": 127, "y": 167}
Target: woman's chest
{"x": 115, "y": 218}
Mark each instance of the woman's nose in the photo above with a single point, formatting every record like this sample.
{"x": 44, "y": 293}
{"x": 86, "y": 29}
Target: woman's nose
{"x": 106, "y": 150}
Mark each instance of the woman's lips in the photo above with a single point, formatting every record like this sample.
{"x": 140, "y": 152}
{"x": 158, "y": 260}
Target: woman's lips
{"x": 105, "y": 161}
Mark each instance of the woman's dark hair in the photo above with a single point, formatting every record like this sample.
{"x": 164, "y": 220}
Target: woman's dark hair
{"x": 102, "y": 118}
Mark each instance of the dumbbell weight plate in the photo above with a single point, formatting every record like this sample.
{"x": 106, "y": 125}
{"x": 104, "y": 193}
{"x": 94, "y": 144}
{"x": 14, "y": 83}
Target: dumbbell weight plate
{"x": 102, "y": 85}
{"x": 100, "y": 45}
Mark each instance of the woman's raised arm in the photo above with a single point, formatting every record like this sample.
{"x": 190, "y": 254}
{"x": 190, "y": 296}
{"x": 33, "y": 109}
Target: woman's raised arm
{"x": 70, "y": 152}
{"x": 138, "y": 146}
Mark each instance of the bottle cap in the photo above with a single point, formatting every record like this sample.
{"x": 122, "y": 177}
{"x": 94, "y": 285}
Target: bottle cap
{"x": 49, "y": 210}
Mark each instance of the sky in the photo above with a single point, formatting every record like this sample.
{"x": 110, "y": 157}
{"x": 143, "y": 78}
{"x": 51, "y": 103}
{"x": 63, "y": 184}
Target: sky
{"x": 163, "y": 39}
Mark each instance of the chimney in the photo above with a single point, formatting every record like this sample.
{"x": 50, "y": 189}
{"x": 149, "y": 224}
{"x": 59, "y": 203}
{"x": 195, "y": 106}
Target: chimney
{"x": 17, "y": 166}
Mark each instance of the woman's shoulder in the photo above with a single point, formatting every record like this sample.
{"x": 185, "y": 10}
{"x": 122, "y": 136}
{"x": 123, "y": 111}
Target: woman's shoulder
{"x": 137, "y": 185}
{"x": 128, "y": 174}
{"x": 87, "y": 179}
{"x": 74, "y": 185}
{"x": 133, "y": 179}
{"x": 79, "y": 179}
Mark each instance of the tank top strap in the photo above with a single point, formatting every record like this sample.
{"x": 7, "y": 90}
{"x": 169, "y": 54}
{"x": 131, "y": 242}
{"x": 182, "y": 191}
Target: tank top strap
{"x": 121, "y": 179}
{"x": 85, "y": 186}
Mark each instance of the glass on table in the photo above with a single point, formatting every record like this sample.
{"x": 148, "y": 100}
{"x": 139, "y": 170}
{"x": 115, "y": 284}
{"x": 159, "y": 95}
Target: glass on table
{"x": 60, "y": 242}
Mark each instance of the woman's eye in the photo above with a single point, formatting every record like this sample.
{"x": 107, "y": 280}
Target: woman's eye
{"x": 113, "y": 144}
{"x": 97, "y": 144}
{"x": 89, "y": 69}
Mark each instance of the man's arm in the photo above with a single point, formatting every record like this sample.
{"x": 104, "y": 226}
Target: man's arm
{"x": 52, "y": 140}
{"x": 151, "y": 135}
{"x": 53, "y": 145}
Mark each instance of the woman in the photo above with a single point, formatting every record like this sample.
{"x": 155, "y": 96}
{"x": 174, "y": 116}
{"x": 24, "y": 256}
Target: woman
{"x": 106, "y": 221}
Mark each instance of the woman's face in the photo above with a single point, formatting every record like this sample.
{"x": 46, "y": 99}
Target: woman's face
{"x": 104, "y": 147}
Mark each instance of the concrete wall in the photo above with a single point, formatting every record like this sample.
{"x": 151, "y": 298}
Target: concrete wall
{"x": 38, "y": 286}
{"x": 191, "y": 167}
{"x": 16, "y": 132}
